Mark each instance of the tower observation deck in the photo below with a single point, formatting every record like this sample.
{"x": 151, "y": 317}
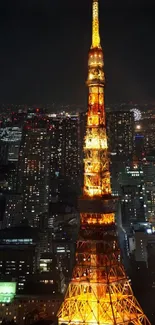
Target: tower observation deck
{"x": 99, "y": 291}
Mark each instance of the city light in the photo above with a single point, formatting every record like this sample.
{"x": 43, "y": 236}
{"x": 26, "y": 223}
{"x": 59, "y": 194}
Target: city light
{"x": 77, "y": 181}
{"x": 7, "y": 291}
{"x": 138, "y": 127}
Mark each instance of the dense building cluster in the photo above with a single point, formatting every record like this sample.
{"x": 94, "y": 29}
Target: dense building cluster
{"x": 48, "y": 158}
{"x": 41, "y": 177}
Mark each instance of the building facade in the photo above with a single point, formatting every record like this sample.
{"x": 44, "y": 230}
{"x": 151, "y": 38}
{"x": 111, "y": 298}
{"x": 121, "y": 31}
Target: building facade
{"x": 34, "y": 170}
{"x": 65, "y": 146}
{"x": 120, "y": 135}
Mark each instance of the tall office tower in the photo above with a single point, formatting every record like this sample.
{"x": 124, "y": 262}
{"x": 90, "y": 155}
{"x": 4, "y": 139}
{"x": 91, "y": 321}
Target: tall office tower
{"x": 149, "y": 179}
{"x": 133, "y": 196}
{"x": 57, "y": 137}
{"x": 139, "y": 143}
{"x": 10, "y": 139}
{"x": 149, "y": 133}
{"x": 120, "y": 132}
{"x": 62, "y": 225}
{"x": 99, "y": 292}
{"x": 64, "y": 135}
{"x": 34, "y": 170}
{"x": 72, "y": 149}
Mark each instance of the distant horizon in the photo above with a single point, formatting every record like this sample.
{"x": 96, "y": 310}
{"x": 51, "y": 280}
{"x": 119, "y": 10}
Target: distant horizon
{"x": 71, "y": 105}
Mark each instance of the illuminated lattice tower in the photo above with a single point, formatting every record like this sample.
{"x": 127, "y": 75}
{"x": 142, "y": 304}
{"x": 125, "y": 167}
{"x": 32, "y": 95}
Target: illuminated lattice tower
{"x": 99, "y": 292}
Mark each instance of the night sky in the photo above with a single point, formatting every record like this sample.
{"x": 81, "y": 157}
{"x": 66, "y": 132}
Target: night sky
{"x": 44, "y": 47}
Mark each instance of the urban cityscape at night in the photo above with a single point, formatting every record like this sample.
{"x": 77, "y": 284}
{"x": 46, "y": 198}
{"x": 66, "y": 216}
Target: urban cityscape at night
{"x": 77, "y": 173}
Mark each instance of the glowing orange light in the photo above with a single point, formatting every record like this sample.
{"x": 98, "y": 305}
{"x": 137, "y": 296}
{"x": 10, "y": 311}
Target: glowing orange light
{"x": 99, "y": 292}
{"x": 97, "y": 218}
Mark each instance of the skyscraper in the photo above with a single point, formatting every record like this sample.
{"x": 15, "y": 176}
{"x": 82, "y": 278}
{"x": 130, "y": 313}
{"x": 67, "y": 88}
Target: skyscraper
{"x": 10, "y": 139}
{"x": 34, "y": 169}
{"x": 133, "y": 196}
{"x": 99, "y": 292}
{"x": 64, "y": 139}
{"x": 120, "y": 132}
{"x": 149, "y": 180}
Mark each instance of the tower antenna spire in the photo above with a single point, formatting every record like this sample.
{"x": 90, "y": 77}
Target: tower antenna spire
{"x": 95, "y": 25}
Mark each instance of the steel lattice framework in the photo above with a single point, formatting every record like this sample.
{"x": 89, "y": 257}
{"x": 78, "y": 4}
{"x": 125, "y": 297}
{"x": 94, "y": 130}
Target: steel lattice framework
{"x": 99, "y": 292}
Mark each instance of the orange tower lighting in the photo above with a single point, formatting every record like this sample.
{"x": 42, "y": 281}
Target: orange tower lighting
{"x": 99, "y": 291}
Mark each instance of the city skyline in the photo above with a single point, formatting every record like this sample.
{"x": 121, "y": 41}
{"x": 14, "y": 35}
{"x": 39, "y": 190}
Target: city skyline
{"x": 77, "y": 189}
{"x": 39, "y": 41}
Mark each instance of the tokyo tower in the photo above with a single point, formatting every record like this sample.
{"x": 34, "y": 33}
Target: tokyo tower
{"x": 99, "y": 291}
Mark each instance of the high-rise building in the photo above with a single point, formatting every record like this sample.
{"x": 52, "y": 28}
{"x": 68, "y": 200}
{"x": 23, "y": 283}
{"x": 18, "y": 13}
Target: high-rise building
{"x": 145, "y": 133}
{"x": 141, "y": 239}
{"x": 10, "y": 139}
{"x": 34, "y": 170}
{"x": 133, "y": 196}
{"x": 99, "y": 291}
{"x": 148, "y": 126}
{"x": 149, "y": 179}
{"x": 64, "y": 156}
{"x": 139, "y": 143}
{"x": 62, "y": 223}
{"x": 120, "y": 132}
